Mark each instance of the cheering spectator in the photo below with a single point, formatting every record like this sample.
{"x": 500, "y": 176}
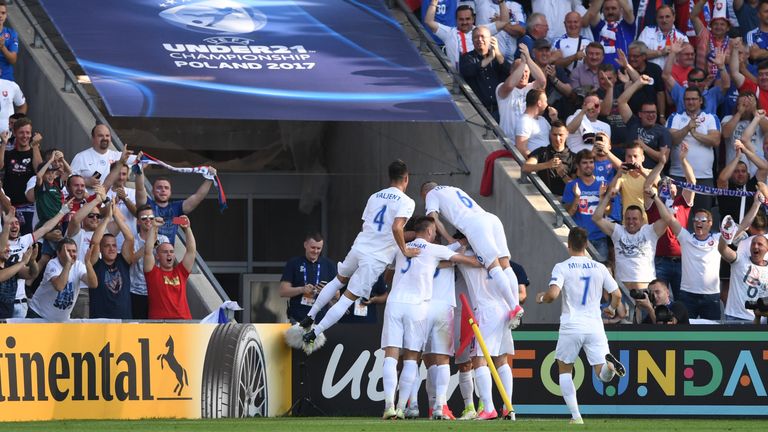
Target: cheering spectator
{"x": 20, "y": 165}
{"x": 757, "y": 39}
{"x": 583, "y": 125}
{"x": 585, "y": 74}
{"x": 581, "y": 197}
{"x": 484, "y": 69}
{"x": 660, "y": 38}
{"x": 617, "y": 28}
{"x": 145, "y": 218}
{"x": 511, "y": 93}
{"x": 9, "y": 48}
{"x": 111, "y": 298}
{"x": 166, "y": 280}
{"x": 532, "y": 131}
{"x": 93, "y": 163}
{"x": 167, "y": 209}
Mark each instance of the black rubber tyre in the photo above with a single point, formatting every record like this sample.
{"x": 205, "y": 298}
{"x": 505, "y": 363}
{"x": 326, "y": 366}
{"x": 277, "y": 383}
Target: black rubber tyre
{"x": 234, "y": 374}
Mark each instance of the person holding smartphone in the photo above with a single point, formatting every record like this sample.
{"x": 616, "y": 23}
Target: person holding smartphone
{"x": 304, "y": 276}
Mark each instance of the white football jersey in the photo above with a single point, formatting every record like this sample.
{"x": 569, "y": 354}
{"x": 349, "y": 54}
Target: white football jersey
{"x": 444, "y": 286}
{"x": 380, "y": 212}
{"x": 481, "y": 293}
{"x": 453, "y": 203}
{"x": 582, "y": 281}
{"x": 414, "y": 277}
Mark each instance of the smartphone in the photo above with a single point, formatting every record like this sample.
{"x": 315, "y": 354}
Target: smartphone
{"x": 628, "y": 166}
{"x": 96, "y": 175}
{"x": 179, "y": 220}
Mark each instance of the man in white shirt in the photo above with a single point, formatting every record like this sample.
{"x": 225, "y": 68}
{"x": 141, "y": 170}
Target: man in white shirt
{"x": 583, "y": 125}
{"x": 11, "y": 101}
{"x": 485, "y": 234}
{"x": 700, "y": 280}
{"x": 510, "y": 94}
{"x": 749, "y": 270}
{"x": 582, "y": 281}
{"x": 660, "y": 37}
{"x": 55, "y": 298}
{"x": 405, "y": 317}
{"x": 532, "y": 130}
{"x": 634, "y": 242}
{"x": 458, "y": 40}
{"x": 570, "y": 47}
{"x": 93, "y": 164}
{"x": 384, "y": 217}
{"x": 555, "y": 11}
{"x": 701, "y": 131}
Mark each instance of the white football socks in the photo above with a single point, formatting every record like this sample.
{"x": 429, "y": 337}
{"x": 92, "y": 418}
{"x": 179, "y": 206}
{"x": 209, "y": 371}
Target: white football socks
{"x": 483, "y": 378}
{"x": 389, "y": 379}
{"x": 334, "y": 314}
{"x": 569, "y": 394}
{"x": 467, "y": 388}
{"x": 407, "y": 376}
{"x": 325, "y": 296}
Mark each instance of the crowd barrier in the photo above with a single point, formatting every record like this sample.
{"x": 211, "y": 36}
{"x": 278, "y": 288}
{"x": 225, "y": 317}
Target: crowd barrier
{"x": 671, "y": 371}
{"x": 147, "y": 370}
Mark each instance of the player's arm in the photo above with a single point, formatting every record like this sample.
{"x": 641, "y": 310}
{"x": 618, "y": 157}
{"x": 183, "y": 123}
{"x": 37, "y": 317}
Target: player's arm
{"x": 470, "y": 261}
{"x": 397, "y": 232}
{"x": 549, "y": 295}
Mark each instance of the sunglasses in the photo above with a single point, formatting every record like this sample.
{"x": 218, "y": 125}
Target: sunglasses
{"x": 94, "y": 216}
{"x": 146, "y": 217}
{"x": 696, "y": 79}
{"x": 701, "y": 219}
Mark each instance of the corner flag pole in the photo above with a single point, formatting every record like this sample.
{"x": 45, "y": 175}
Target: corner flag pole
{"x": 467, "y": 313}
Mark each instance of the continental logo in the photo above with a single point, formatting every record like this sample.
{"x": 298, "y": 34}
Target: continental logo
{"x": 78, "y": 376}
{"x": 58, "y": 371}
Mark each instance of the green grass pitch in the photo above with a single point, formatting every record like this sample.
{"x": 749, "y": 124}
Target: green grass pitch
{"x": 350, "y": 424}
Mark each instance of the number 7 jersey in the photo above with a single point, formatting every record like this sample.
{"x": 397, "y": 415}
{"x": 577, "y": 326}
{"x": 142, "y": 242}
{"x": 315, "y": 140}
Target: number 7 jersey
{"x": 383, "y": 207}
{"x": 582, "y": 281}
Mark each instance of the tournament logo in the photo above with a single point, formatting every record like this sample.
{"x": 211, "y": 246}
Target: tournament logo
{"x": 219, "y": 17}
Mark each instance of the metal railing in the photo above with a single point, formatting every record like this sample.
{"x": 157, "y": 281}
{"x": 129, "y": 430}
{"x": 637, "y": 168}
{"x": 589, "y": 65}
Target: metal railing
{"x": 71, "y": 85}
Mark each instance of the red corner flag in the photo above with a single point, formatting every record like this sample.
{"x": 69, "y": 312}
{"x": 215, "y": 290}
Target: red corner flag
{"x": 467, "y": 318}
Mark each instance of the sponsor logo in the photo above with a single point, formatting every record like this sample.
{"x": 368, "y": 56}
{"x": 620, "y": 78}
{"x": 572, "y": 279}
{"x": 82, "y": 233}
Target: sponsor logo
{"x": 219, "y": 17}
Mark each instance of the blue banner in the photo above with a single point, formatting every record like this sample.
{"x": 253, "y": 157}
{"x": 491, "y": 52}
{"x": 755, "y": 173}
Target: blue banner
{"x": 251, "y": 59}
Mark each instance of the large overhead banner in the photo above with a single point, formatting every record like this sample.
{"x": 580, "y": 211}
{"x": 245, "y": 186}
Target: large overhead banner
{"x": 252, "y": 59}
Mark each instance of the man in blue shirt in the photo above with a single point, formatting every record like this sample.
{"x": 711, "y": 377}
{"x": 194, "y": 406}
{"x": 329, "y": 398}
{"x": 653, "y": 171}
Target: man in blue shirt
{"x": 616, "y": 31}
{"x": 161, "y": 203}
{"x": 581, "y": 197}
{"x": 9, "y": 47}
{"x": 304, "y": 277}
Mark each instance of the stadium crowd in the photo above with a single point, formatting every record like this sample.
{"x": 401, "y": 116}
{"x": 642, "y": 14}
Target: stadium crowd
{"x": 77, "y": 241}
{"x": 647, "y": 118}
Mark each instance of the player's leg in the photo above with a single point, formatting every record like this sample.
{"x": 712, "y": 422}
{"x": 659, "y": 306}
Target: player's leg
{"x": 429, "y": 383}
{"x": 467, "y": 388}
{"x": 412, "y": 409}
{"x": 345, "y": 270}
{"x": 391, "y": 342}
{"x": 414, "y": 325}
{"x": 484, "y": 388}
{"x": 505, "y": 374}
{"x": 605, "y": 364}
{"x": 360, "y": 284}
{"x": 442, "y": 376}
{"x": 566, "y": 352}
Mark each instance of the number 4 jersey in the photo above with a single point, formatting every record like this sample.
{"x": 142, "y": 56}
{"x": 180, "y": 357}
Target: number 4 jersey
{"x": 383, "y": 207}
{"x": 582, "y": 281}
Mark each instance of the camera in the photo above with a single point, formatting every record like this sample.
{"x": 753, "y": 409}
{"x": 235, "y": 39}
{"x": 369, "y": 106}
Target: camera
{"x": 628, "y": 166}
{"x": 663, "y": 314}
{"x": 638, "y": 294}
{"x": 588, "y": 138}
{"x": 760, "y": 304}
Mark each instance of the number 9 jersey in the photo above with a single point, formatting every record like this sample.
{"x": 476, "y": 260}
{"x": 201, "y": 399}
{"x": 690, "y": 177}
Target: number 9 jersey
{"x": 380, "y": 212}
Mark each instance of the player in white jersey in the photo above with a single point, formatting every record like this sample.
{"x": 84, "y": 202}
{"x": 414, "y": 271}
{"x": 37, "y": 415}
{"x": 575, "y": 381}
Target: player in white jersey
{"x": 490, "y": 315}
{"x": 384, "y": 217}
{"x": 582, "y": 281}
{"x": 484, "y": 233}
{"x": 405, "y": 316}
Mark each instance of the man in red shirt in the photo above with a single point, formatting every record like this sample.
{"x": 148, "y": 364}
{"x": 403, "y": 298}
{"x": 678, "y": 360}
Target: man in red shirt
{"x": 759, "y": 88}
{"x": 167, "y": 280}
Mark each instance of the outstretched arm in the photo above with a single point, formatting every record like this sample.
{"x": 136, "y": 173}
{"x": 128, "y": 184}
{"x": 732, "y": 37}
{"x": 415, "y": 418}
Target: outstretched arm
{"x": 193, "y": 201}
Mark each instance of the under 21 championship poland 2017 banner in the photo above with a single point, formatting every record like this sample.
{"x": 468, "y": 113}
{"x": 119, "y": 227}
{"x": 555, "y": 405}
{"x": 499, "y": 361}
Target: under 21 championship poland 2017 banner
{"x": 252, "y": 59}
{"x": 131, "y": 371}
